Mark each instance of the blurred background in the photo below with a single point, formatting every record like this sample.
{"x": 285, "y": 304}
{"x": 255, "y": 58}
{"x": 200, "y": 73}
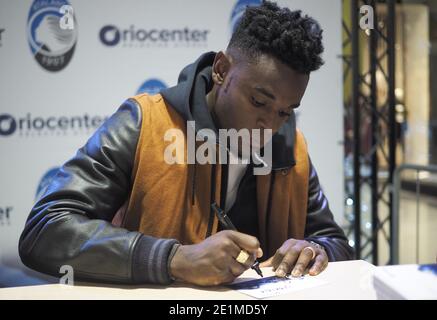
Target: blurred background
{"x": 369, "y": 114}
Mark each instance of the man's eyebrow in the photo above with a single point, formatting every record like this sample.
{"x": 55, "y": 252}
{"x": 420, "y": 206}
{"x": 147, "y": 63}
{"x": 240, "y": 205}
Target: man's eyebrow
{"x": 272, "y": 96}
{"x": 265, "y": 92}
{"x": 294, "y": 106}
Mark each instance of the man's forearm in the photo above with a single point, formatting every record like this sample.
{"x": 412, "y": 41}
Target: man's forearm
{"x": 96, "y": 250}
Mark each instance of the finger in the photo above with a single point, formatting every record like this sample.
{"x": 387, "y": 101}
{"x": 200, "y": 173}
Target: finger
{"x": 245, "y": 258}
{"x": 267, "y": 263}
{"x": 280, "y": 253}
{"x": 259, "y": 253}
{"x": 230, "y": 246}
{"x": 250, "y": 261}
{"x": 246, "y": 242}
{"x": 278, "y": 257}
{"x": 320, "y": 264}
{"x": 288, "y": 262}
{"x": 227, "y": 278}
{"x": 305, "y": 258}
{"x": 236, "y": 268}
{"x": 233, "y": 249}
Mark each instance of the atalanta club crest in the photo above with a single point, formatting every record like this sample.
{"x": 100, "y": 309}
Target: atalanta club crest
{"x": 52, "y": 33}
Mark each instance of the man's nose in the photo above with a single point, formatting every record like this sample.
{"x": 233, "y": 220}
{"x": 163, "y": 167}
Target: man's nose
{"x": 264, "y": 123}
{"x": 265, "y": 120}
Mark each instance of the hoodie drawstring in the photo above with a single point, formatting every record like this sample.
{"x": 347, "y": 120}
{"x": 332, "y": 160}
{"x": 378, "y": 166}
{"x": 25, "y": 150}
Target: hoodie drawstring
{"x": 211, "y": 210}
{"x": 193, "y": 184}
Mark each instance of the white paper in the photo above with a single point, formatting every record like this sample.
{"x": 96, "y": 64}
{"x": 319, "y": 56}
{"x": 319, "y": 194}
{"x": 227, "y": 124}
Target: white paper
{"x": 274, "y": 286}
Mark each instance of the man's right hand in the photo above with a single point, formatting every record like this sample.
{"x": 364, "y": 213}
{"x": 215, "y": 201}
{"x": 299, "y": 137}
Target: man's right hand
{"x": 212, "y": 261}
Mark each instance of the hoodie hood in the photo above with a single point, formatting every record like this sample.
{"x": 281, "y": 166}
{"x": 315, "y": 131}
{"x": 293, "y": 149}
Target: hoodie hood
{"x": 188, "y": 98}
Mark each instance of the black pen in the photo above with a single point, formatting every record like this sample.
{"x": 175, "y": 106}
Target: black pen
{"x": 227, "y": 224}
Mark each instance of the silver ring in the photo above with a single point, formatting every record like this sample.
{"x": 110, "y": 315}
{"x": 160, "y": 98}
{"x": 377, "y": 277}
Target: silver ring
{"x": 318, "y": 246}
{"x": 312, "y": 250}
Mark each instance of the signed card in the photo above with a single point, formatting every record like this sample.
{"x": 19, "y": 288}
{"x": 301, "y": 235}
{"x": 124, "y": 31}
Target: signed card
{"x": 274, "y": 286}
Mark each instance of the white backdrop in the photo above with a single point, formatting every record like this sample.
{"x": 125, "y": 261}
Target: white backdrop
{"x": 45, "y": 116}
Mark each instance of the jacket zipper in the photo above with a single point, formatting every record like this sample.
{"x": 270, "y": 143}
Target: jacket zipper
{"x": 269, "y": 207}
{"x": 211, "y": 211}
{"x": 223, "y": 192}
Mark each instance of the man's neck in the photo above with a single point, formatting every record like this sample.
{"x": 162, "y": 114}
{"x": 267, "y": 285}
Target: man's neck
{"x": 210, "y": 102}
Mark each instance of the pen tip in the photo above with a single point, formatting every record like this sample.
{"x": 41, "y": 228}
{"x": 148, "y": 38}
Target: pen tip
{"x": 258, "y": 270}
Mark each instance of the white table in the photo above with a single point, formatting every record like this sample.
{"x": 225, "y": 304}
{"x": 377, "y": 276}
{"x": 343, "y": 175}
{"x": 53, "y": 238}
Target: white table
{"x": 345, "y": 280}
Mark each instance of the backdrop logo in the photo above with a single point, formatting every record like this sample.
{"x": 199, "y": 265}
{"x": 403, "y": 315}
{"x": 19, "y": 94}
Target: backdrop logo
{"x": 238, "y": 10}
{"x": 133, "y": 36}
{"x": 30, "y": 125}
{"x": 5, "y": 215}
{"x": 45, "y": 182}
{"x": 110, "y": 35}
{"x": 1, "y": 34}
{"x": 8, "y": 125}
{"x": 152, "y": 86}
{"x": 51, "y": 43}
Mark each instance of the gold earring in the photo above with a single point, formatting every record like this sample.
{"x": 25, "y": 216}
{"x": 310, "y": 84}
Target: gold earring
{"x": 218, "y": 78}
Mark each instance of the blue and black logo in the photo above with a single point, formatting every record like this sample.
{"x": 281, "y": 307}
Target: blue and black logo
{"x": 110, "y": 35}
{"x": 45, "y": 182}
{"x": 8, "y": 125}
{"x": 238, "y": 11}
{"x": 51, "y": 44}
{"x": 152, "y": 86}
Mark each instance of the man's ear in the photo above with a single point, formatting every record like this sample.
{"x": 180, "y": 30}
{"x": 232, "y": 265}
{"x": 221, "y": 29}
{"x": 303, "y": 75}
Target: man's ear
{"x": 220, "y": 67}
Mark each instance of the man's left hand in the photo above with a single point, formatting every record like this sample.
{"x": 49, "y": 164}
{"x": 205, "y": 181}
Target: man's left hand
{"x": 295, "y": 256}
